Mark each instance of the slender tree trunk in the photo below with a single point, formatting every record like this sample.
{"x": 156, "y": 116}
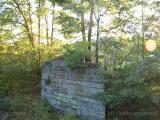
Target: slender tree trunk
{"x": 46, "y": 21}
{"x": 90, "y": 23}
{"x": 116, "y": 54}
{"x": 105, "y": 58}
{"x": 39, "y": 38}
{"x": 138, "y": 49}
{"x": 90, "y": 28}
{"x": 39, "y": 31}
{"x": 142, "y": 30}
{"x": 52, "y": 27}
{"x": 97, "y": 40}
{"x": 83, "y": 24}
{"x": 30, "y": 17}
{"x": 98, "y": 33}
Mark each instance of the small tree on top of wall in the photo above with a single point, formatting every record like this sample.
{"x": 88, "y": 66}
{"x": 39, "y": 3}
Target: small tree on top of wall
{"x": 76, "y": 54}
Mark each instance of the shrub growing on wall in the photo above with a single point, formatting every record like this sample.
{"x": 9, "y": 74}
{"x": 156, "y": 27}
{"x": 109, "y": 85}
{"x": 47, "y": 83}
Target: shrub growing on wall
{"x": 75, "y": 55}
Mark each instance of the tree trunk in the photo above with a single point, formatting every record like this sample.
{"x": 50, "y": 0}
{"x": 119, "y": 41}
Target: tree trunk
{"x": 30, "y": 17}
{"x": 52, "y": 28}
{"x": 90, "y": 24}
{"x": 105, "y": 59}
{"x": 142, "y": 30}
{"x": 39, "y": 31}
{"x": 120, "y": 39}
{"x": 39, "y": 37}
{"x": 46, "y": 21}
{"x": 90, "y": 28}
{"x": 83, "y": 24}
{"x": 97, "y": 40}
{"x": 138, "y": 49}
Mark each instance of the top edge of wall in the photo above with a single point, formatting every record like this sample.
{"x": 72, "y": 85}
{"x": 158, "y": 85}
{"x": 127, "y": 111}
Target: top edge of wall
{"x": 62, "y": 58}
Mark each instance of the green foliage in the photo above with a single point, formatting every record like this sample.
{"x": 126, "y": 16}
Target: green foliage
{"x": 59, "y": 1}
{"x": 4, "y": 103}
{"x": 75, "y": 55}
{"x": 134, "y": 88}
{"x": 9, "y": 83}
{"x": 70, "y": 24}
{"x": 36, "y": 108}
{"x": 52, "y": 51}
{"x": 19, "y": 103}
{"x": 41, "y": 108}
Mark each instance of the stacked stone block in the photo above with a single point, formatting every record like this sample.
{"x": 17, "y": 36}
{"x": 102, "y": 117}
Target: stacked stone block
{"x": 73, "y": 90}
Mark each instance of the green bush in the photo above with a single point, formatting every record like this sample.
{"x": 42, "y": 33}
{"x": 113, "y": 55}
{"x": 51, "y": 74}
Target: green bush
{"x": 75, "y": 55}
{"x": 4, "y": 103}
{"x": 41, "y": 108}
{"x": 19, "y": 103}
{"x": 134, "y": 89}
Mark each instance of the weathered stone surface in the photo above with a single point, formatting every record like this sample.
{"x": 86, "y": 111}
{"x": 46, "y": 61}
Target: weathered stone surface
{"x": 73, "y": 91}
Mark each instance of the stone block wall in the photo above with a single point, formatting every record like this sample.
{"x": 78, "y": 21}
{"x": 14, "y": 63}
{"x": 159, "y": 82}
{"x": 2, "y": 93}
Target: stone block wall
{"x": 73, "y": 90}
